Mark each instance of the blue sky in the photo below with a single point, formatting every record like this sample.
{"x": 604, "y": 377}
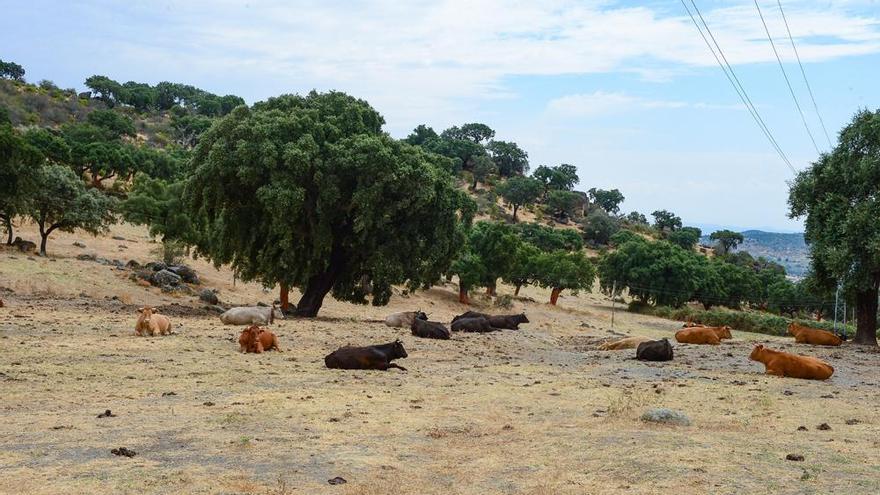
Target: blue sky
{"x": 626, "y": 91}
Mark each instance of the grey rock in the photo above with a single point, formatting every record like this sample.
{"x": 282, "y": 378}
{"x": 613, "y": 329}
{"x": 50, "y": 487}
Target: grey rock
{"x": 666, "y": 416}
{"x": 186, "y": 273}
{"x": 156, "y": 266}
{"x": 209, "y": 296}
{"x": 79, "y": 244}
{"x": 164, "y": 278}
{"x": 86, "y": 257}
{"x": 134, "y": 265}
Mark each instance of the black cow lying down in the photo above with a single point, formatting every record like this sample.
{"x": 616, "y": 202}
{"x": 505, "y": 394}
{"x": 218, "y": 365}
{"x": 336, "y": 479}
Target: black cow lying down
{"x": 654, "y": 350}
{"x": 477, "y": 324}
{"x": 429, "y": 329}
{"x": 508, "y": 322}
{"x": 374, "y": 357}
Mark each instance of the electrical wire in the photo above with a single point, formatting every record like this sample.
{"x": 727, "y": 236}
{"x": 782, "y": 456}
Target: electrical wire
{"x": 785, "y": 76}
{"x": 735, "y": 82}
{"x": 804, "y": 73}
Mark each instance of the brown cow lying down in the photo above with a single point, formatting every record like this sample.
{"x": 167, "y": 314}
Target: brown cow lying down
{"x": 627, "y": 343}
{"x": 784, "y": 364}
{"x": 812, "y": 336}
{"x": 477, "y": 324}
{"x": 703, "y": 335}
{"x": 256, "y": 339}
{"x": 151, "y": 322}
{"x": 429, "y": 329}
{"x": 374, "y": 357}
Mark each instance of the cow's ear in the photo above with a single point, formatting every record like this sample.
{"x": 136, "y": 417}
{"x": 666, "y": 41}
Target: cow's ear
{"x": 140, "y": 310}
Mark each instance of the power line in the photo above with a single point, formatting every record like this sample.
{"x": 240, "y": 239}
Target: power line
{"x": 785, "y": 76}
{"x": 804, "y": 73}
{"x": 734, "y": 81}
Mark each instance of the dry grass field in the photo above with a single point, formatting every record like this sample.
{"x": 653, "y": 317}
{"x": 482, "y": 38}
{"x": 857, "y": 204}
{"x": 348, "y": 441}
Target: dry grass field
{"x": 534, "y": 411}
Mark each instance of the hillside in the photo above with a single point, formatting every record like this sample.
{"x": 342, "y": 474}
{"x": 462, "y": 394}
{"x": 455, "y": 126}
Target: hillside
{"x": 789, "y": 250}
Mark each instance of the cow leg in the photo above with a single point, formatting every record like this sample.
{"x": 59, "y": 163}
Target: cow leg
{"x": 392, "y": 365}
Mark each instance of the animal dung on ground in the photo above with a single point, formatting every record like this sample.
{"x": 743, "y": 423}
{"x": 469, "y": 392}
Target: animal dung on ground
{"x": 666, "y": 416}
{"x": 374, "y": 357}
{"x": 791, "y": 365}
{"x": 794, "y": 457}
{"x": 122, "y": 451}
{"x": 256, "y": 339}
{"x": 654, "y": 350}
{"x": 106, "y": 414}
{"x": 339, "y": 480}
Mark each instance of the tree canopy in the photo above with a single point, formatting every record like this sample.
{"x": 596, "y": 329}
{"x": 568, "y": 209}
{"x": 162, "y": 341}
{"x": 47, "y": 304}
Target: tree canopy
{"x": 563, "y": 270}
{"x": 608, "y": 200}
{"x": 19, "y": 167}
{"x": 308, "y": 192}
{"x": 839, "y": 195}
{"x": 726, "y": 240}
{"x": 11, "y": 70}
{"x": 685, "y": 237}
{"x": 509, "y": 158}
{"x": 666, "y": 220}
{"x": 519, "y": 191}
{"x": 561, "y": 177}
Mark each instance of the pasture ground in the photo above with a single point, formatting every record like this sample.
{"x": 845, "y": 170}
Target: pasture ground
{"x": 535, "y": 411}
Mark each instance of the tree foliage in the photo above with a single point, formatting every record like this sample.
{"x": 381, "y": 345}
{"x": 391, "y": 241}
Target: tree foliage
{"x": 19, "y": 167}
{"x": 666, "y": 220}
{"x": 11, "y": 70}
{"x": 308, "y": 192}
{"x": 510, "y": 159}
{"x": 685, "y": 237}
{"x": 726, "y": 240}
{"x": 563, "y": 270}
{"x": 549, "y": 239}
{"x": 599, "y": 226}
{"x": 840, "y": 197}
{"x": 496, "y": 244}
{"x": 559, "y": 178}
{"x": 519, "y": 191}
{"x": 609, "y": 200}
{"x": 564, "y": 204}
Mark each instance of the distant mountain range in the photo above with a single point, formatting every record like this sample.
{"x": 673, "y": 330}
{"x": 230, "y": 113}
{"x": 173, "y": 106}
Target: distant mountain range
{"x": 789, "y": 250}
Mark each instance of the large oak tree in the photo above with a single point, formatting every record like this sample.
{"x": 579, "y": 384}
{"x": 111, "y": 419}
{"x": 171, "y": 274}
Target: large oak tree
{"x": 309, "y": 192}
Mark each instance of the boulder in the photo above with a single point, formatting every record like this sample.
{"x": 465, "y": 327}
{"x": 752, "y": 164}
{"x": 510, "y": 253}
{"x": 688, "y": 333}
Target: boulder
{"x": 79, "y": 244}
{"x": 209, "y": 296}
{"x": 165, "y": 278}
{"x": 186, "y": 273}
{"x": 666, "y": 416}
{"x": 156, "y": 266}
{"x": 86, "y": 257}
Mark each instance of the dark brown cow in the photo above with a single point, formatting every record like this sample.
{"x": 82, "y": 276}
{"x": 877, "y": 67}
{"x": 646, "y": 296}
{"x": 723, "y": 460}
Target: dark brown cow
{"x": 478, "y": 324}
{"x": 507, "y": 322}
{"x": 374, "y": 357}
{"x": 429, "y": 329}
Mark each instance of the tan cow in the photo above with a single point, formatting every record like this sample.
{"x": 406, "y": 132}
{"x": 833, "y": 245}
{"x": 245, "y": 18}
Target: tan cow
{"x": 812, "y": 336}
{"x": 792, "y": 365}
{"x": 625, "y": 343}
{"x": 152, "y": 323}
{"x": 255, "y": 339}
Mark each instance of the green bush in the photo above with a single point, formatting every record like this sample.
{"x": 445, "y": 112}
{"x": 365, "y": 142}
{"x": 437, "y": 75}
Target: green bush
{"x": 746, "y": 321}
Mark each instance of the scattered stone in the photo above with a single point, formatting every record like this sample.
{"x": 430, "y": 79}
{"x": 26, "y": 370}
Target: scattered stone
{"x": 209, "y": 296}
{"x": 666, "y": 416}
{"x": 168, "y": 394}
{"x": 208, "y": 403}
{"x": 802, "y": 428}
{"x": 737, "y": 382}
{"x": 186, "y": 273}
{"x": 826, "y": 396}
{"x": 214, "y": 308}
{"x": 794, "y": 457}
{"x": 107, "y": 414}
{"x": 852, "y": 422}
{"x": 79, "y": 244}
{"x": 156, "y": 266}
{"x": 86, "y": 257}
{"x": 339, "y": 480}
{"x": 823, "y": 427}
{"x": 165, "y": 278}
{"x": 788, "y": 392}
{"x": 134, "y": 265}
{"x": 118, "y": 238}
{"x": 122, "y": 451}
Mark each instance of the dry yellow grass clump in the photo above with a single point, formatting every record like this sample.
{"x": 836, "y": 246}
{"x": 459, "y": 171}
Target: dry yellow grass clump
{"x": 534, "y": 411}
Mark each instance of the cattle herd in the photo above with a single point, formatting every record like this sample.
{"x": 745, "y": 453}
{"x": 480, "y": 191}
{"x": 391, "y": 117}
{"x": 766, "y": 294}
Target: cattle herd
{"x": 255, "y": 338}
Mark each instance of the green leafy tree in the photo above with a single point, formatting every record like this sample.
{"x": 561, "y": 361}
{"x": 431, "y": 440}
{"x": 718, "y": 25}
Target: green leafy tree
{"x": 666, "y": 221}
{"x": 726, "y": 240}
{"x": 421, "y": 135}
{"x": 509, "y": 158}
{"x": 564, "y": 204}
{"x": 50, "y": 143}
{"x": 562, "y": 270}
{"x": 740, "y": 284}
{"x": 549, "y": 239}
{"x": 524, "y": 269}
{"x": 710, "y": 290}
{"x": 482, "y": 169}
{"x": 636, "y": 218}
{"x": 11, "y": 70}
{"x": 113, "y": 125}
{"x": 19, "y": 165}
{"x": 609, "y": 200}
{"x": 496, "y": 244}
{"x": 159, "y": 205}
{"x": 308, "y": 192}
{"x": 561, "y": 177}
{"x": 519, "y": 191}
{"x": 62, "y": 202}
{"x": 840, "y": 197}
{"x": 106, "y": 89}
{"x": 599, "y": 226}
{"x": 785, "y": 297}
{"x": 470, "y": 269}
{"x": 685, "y": 237}
{"x": 474, "y": 132}
{"x": 463, "y": 152}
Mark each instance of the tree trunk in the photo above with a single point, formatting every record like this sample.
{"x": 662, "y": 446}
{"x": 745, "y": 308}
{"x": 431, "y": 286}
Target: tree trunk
{"x": 490, "y": 289}
{"x": 516, "y": 291}
{"x": 463, "y": 296}
{"x": 515, "y": 208}
{"x": 318, "y": 287}
{"x": 44, "y": 238}
{"x": 8, "y": 223}
{"x": 866, "y": 315}
{"x": 284, "y": 297}
{"x": 554, "y": 295}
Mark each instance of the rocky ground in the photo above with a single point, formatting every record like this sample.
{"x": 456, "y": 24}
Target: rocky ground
{"x": 534, "y": 411}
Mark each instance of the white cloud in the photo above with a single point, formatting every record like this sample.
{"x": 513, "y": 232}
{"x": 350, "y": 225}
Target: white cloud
{"x": 603, "y": 103}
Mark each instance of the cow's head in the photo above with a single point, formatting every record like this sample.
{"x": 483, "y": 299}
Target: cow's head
{"x": 522, "y": 318}
{"x": 725, "y": 333}
{"x": 147, "y": 312}
{"x": 756, "y": 352}
{"x": 397, "y": 350}
{"x": 791, "y": 328}
{"x": 421, "y": 315}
